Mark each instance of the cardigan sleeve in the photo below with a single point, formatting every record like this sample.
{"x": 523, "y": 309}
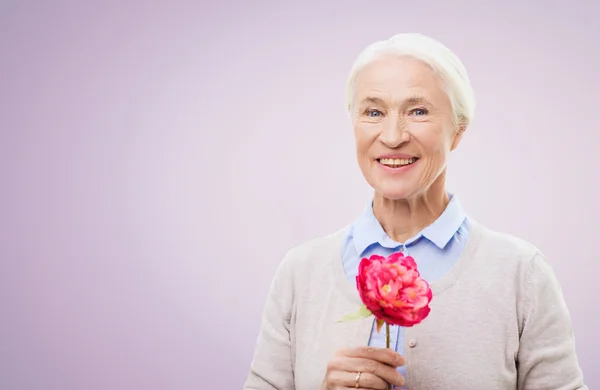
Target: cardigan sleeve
{"x": 272, "y": 367}
{"x": 546, "y": 357}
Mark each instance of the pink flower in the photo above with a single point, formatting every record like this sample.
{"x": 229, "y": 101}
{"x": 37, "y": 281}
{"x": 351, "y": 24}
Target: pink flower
{"x": 392, "y": 290}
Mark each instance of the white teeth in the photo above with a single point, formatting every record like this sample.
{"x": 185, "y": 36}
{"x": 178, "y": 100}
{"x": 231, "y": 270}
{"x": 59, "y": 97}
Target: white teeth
{"x": 397, "y": 161}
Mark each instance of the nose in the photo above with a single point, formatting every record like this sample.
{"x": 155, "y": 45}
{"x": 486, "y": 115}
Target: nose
{"x": 394, "y": 132}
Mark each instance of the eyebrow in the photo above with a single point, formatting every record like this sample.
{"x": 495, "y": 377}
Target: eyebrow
{"x": 415, "y": 99}
{"x": 418, "y": 100}
{"x": 373, "y": 100}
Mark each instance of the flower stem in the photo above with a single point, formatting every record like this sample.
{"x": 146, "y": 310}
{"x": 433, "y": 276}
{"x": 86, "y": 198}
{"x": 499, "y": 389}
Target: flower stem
{"x": 387, "y": 344}
{"x": 387, "y": 335}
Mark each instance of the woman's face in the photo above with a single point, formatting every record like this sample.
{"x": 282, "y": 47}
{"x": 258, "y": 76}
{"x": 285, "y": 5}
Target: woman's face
{"x": 403, "y": 126}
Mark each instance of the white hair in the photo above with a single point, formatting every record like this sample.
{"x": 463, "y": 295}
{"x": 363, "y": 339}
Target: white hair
{"x": 444, "y": 62}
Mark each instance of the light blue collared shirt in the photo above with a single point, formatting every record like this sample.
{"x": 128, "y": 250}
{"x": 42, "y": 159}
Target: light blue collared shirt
{"x": 435, "y": 250}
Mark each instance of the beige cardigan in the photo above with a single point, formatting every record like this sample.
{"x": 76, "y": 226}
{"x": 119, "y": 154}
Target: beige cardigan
{"x": 498, "y": 321}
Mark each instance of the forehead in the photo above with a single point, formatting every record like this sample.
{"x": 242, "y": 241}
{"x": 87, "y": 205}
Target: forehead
{"x": 398, "y": 78}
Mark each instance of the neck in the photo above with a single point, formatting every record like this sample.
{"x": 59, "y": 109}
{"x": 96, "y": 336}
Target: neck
{"x": 402, "y": 219}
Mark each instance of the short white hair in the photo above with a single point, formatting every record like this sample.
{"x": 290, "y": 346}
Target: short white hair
{"x": 442, "y": 60}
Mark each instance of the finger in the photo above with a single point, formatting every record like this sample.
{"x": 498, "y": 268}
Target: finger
{"x": 375, "y": 373}
{"x": 346, "y": 379}
{"x": 370, "y": 381}
{"x": 374, "y": 368}
{"x": 382, "y": 355}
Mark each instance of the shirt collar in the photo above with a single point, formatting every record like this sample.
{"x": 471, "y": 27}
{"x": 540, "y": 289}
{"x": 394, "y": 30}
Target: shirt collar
{"x": 367, "y": 230}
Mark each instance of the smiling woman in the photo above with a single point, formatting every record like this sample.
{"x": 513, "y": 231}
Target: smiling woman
{"x": 498, "y": 319}
{"x": 399, "y": 98}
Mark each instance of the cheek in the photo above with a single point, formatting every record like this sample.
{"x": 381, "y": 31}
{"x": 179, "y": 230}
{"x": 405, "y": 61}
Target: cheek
{"x": 364, "y": 136}
{"x": 434, "y": 146}
{"x": 431, "y": 138}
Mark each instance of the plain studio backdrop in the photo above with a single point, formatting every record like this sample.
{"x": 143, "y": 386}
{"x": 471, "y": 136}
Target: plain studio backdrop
{"x": 159, "y": 158}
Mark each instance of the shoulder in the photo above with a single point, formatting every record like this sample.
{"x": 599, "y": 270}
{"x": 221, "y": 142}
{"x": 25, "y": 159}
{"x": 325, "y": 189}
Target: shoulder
{"x": 514, "y": 266}
{"x": 504, "y": 255}
{"x": 309, "y": 263}
{"x": 503, "y": 246}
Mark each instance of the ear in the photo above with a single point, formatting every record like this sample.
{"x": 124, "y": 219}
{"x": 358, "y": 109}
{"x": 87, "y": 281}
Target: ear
{"x": 462, "y": 127}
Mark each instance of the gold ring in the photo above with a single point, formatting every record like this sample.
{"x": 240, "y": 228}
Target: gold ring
{"x": 358, "y": 374}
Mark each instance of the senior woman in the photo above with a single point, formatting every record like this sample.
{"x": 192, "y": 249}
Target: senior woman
{"x": 498, "y": 319}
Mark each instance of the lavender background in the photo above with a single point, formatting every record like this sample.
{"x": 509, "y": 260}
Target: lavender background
{"x": 157, "y": 159}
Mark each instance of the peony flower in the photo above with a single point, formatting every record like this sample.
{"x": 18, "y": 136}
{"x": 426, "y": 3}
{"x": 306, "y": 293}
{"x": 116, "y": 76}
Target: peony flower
{"x": 392, "y": 289}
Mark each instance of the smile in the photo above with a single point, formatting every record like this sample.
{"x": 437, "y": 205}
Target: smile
{"x": 396, "y": 162}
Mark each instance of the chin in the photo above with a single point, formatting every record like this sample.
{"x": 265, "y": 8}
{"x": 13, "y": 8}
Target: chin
{"x": 395, "y": 192}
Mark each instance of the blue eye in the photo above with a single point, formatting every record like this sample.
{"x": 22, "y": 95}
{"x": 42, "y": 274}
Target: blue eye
{"x": 374, "y": 113}
{"x": 419, "y": 112}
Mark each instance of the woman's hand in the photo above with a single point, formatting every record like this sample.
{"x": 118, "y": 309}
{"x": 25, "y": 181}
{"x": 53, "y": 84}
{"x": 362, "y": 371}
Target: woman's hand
{"x": 376, "y": 365}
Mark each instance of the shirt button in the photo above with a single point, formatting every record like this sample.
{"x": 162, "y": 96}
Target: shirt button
{"x": 412, "y": 343}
